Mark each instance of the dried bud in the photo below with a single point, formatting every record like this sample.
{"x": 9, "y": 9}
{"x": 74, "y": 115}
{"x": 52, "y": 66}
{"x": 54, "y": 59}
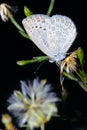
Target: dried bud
{"x": 4, "y": 11}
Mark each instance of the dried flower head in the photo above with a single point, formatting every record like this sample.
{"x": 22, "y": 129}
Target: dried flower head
{"x": 70, "y": 64}
{"x": 35, "y": 105}
{"x": 4, "y": 11}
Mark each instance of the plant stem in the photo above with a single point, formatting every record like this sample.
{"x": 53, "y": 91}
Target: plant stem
{"x": 35, "y": 59}
{"x": 15, "y": 23}
{"x": 20, "y": 29}
{"x": 82, "y": 81}
{"x": 50, "y": 7}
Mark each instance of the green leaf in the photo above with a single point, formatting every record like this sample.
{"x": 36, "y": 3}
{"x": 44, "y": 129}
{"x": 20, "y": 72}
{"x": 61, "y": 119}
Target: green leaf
{"x": 27, "y": 11}
{"x": 80, "y": 55}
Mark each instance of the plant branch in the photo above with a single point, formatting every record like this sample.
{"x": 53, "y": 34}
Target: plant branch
{"x": 49, "y": 11}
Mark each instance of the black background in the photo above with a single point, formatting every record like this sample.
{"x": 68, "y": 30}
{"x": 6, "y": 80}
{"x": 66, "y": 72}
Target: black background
{"x": 14, "y": 47}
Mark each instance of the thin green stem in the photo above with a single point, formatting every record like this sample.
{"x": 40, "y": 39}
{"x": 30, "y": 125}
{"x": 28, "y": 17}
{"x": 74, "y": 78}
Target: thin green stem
{"x": 20, "y": 29}
{"x": 82, "y": 81}
{"x": 35, "y": 59}
{"x": 15, "y": 23}
{"x": 49, "y": 11}
{"x": 80, "y": 76}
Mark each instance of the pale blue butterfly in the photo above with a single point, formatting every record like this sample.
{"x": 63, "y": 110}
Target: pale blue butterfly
{"x": 52, "y": 35}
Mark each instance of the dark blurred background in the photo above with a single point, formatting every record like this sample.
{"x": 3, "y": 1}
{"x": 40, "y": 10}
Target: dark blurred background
{"x": 14, "y": 47}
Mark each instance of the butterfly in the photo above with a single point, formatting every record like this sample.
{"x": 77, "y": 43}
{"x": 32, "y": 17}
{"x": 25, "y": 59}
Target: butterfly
{"x": 52, "y": 35}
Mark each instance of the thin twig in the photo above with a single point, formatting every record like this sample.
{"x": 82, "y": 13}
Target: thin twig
{"x": 50, "y": 7}
{"x": 20, "y": 29}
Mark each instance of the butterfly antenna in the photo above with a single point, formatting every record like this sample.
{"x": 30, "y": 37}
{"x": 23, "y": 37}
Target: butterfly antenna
{"x": 38, "y": 67}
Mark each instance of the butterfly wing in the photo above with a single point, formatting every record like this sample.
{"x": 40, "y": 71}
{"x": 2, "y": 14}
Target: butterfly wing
{"x": 36, "y": 27}
{"x": 61, "y": 34}
{"x": 52, "y": 35}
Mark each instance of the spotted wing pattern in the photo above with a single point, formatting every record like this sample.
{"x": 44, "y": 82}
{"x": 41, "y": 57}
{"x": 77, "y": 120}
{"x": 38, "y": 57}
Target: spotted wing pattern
{"x": 52, "y": 35}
